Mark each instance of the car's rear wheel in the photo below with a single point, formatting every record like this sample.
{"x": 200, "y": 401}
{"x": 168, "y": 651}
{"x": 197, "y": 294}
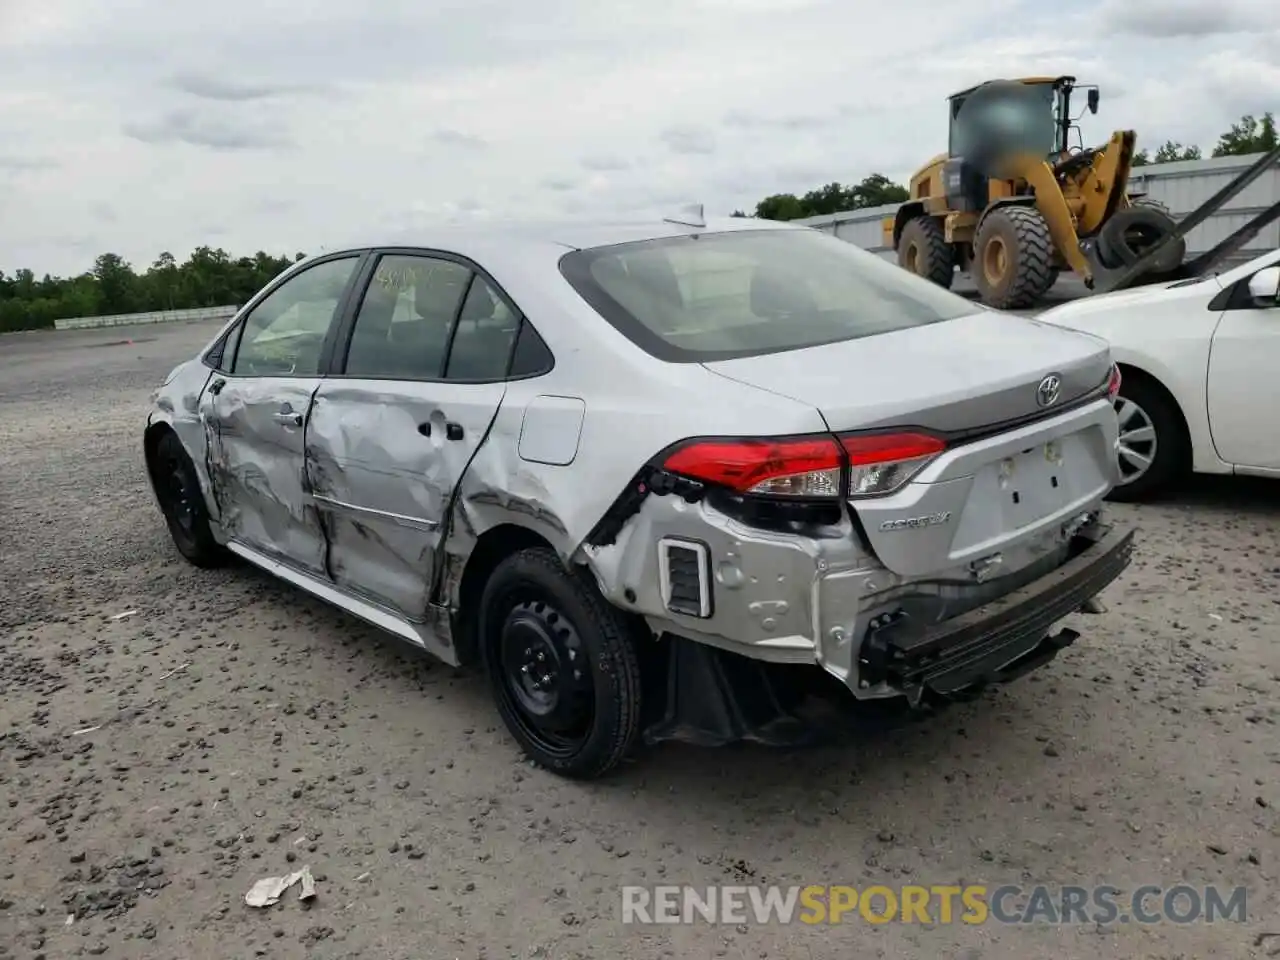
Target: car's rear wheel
{"x": 1153, "y": 448}
{"x": 561, "y": 664}
{"x": 182, "y": 503}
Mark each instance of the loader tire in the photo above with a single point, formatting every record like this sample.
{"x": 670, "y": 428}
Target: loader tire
{"x": 923, "y": 249}
{"x": 1130, "y": 233}
{"x": 1013, "y": 258}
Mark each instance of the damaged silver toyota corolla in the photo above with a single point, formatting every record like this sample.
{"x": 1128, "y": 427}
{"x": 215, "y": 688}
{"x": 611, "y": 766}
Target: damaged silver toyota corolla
{"x": 663, "y": 480}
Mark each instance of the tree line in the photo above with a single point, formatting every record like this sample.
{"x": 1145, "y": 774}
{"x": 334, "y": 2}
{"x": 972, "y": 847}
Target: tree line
{"x": 208, "y": 278}
{"x": 213, "y": 278}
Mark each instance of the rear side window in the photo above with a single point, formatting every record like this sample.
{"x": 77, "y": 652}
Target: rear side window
{"x": 716, "y": 296}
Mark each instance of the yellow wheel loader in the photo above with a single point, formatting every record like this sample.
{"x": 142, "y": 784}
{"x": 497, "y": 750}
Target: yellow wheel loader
{"x": 1014, "y": 201}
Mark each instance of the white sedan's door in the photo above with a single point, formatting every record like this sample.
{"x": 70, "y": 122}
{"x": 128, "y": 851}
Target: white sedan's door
{"x": 1244, "y": 380}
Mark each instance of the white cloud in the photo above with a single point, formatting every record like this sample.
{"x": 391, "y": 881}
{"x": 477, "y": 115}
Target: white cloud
{"x": 143, "y": 125}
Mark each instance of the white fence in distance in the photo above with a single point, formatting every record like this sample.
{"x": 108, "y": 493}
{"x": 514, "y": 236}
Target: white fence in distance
{"x": 156, "y": 316}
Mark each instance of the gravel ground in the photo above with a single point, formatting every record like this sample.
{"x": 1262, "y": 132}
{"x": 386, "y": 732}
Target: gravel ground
{"x": 153, "y": 767}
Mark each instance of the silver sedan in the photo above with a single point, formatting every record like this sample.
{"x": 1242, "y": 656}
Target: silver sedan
{"x": 668, "y": 479}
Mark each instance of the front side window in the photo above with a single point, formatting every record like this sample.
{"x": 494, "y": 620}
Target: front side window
{"x": 284, "y": 334}
{"x": 716, "y": 296}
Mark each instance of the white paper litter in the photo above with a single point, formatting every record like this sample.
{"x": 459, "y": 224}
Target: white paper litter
{"x": 127, "y": 613}
{"x": 83, "y": 730}
{"x": 269, "y": 890}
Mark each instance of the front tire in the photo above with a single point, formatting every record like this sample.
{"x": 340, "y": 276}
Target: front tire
{"x": 561, "y": 664}
{"x": 177, "y": 489}
{"x": 1154, "y": 448}
{"x": 1013, "y": 258}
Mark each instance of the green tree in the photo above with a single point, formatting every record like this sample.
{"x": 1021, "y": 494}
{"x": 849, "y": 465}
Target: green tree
{"x": 1251, "y": 135}
{"x": 1173, "y": 151}
{"x": 874, "y": 191}
{"x": 208, "y": 278}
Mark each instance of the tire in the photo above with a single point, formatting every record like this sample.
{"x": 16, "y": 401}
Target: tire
{"x": 1144, "y": 403}
{"x": 1125, "y": 238}
{"x": 177, "y": 490}
{"x": 924, "y": 251}
{"x": 1013, "y": 258}
{"x": 536, "y": 615}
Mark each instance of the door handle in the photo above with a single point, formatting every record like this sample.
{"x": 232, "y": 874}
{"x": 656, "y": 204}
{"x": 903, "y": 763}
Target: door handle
{"x": 286, "y": 415}
{"x": 453, "y": 431}
{"x": 215, "y": 388}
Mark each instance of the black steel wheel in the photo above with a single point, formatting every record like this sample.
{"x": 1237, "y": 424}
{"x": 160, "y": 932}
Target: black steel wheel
{"x": 561, "y": 664}
{"x": 177, "y": 490}
{"x": 545, "y": 673}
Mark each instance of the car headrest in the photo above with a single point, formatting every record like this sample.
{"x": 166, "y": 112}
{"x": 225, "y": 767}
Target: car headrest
{"x": 658, "y": 278}
{"x": 773, "y": 294}
{"x": 479, "y": 304}
{"x": 436, "y": 291}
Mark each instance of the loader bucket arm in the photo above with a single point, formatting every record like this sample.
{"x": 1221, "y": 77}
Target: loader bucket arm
{"x": 1040, "y": 177}
{"x": 1143, "y": 269}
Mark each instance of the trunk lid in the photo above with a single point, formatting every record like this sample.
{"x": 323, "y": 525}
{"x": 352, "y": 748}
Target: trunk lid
{"x": 955, "y": 376}
{"x": 993, "y": 489}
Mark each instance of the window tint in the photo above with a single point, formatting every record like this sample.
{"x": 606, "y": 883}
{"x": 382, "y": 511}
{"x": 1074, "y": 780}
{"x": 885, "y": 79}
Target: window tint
{"x": 721, "y": 295}
{"x": 283, "y": 335}
{"x": 486, "y": 332}
{"x": 402, "y": 328}
{"x": 225, "y": 352}
{"x": 532, "y": 355}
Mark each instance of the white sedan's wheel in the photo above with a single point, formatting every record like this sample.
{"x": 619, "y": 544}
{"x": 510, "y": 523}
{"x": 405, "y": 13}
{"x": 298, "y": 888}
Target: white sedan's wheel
{"x": 1138, "y": 442}
{"x": 1153, "y": 449}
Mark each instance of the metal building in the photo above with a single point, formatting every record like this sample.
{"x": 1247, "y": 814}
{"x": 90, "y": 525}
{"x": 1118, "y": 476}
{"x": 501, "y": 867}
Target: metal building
{"x": 1182, "y": 186}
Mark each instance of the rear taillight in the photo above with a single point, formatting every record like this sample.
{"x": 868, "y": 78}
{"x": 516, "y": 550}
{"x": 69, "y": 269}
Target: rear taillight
{"x": 881, "y": 463}
{"x": 799, "y": 467}
{"x": 807, "y": 467}
{"x": 1113, "y": 382}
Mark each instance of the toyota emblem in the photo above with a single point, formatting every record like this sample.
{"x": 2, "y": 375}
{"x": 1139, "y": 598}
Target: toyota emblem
{"x": 1047, "y": 392}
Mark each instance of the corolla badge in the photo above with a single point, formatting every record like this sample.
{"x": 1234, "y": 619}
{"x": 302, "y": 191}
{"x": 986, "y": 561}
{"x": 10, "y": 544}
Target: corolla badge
{"x": 1049, "y": 390}
{"x": 915, "y": 523}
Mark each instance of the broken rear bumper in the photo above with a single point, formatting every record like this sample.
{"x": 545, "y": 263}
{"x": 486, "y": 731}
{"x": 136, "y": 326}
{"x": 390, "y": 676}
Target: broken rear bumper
{"x": 999, "y": 640}
{"x": 713, "y": 696}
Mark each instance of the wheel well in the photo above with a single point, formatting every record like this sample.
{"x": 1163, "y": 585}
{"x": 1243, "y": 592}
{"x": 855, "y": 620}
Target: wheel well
{"x": 1021, "y": 200}
{"x": 908, "y": 211}
{"x": 1129, "y": 372}
{"x": 491, "y": 549}
{"x": 150, "y": 444}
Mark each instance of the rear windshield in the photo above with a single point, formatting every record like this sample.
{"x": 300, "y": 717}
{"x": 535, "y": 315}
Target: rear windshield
{"x": 716, "y": 296}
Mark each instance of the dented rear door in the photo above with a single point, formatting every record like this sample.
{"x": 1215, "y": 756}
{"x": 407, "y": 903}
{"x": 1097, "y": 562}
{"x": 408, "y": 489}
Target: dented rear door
{"x": 383, "y": 459}
{"x": 392, "y": 431}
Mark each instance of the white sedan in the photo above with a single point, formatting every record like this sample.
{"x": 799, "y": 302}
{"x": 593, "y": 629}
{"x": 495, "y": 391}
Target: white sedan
{"x": 1200, "y": 361}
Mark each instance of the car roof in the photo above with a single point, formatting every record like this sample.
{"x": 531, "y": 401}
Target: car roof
{"x": 507, "y": 238}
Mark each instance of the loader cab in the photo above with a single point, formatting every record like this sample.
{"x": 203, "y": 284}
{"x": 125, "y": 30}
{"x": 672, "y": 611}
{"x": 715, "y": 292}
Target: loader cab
{"x": 967, "y": 189}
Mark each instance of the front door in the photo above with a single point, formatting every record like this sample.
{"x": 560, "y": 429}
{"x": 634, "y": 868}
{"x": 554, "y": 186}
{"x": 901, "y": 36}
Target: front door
{"x": 256, "y": 416}
{"x": 1244, "y": 389}
{"x": 393, "y": 431}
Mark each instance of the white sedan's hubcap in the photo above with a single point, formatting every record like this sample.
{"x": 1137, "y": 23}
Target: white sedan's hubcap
{"x": 1137, "y": 443}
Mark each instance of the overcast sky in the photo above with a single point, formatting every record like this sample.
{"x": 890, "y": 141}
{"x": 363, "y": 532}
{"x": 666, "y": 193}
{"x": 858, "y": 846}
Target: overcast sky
{"x": 138, "y": 126}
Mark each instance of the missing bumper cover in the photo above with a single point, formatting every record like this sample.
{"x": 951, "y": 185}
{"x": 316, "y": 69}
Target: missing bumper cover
{"x": 998, "y": 640}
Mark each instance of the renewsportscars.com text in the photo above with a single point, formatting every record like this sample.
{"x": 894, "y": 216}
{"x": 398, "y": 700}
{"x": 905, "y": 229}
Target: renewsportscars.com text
{"x": 938, "y": 904}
